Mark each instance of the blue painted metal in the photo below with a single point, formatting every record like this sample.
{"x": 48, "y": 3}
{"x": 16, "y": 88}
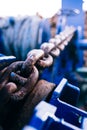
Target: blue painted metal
{"x": 6, "y": 60}
{"x": 60, "y": 112}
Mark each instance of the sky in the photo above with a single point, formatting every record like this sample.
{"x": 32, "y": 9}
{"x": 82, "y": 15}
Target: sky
{"x": 46, "y": 8}
{"x": 85, "y": 5}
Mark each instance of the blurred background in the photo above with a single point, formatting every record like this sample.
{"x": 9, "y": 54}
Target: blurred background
{"x": 25, "y": 25}
{"x": 45, "y": 8}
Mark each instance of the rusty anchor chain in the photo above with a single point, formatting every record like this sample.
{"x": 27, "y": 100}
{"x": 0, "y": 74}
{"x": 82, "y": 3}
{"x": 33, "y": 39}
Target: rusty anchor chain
{"x": 42, "y": 57}
{"x": 21, "y": 78}
{"x": 18, "y": 75}
{"x": 21, "y": 75}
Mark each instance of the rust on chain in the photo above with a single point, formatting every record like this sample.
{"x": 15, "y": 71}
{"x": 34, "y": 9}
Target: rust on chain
{"x": 18, "y": 79}
{"x": 28, "y": 87}
{"x": 5, "y": 74}
{"x": 24, "y": 68}
{"x": 32, "y": 57}
{"x": 40, "y": 92}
